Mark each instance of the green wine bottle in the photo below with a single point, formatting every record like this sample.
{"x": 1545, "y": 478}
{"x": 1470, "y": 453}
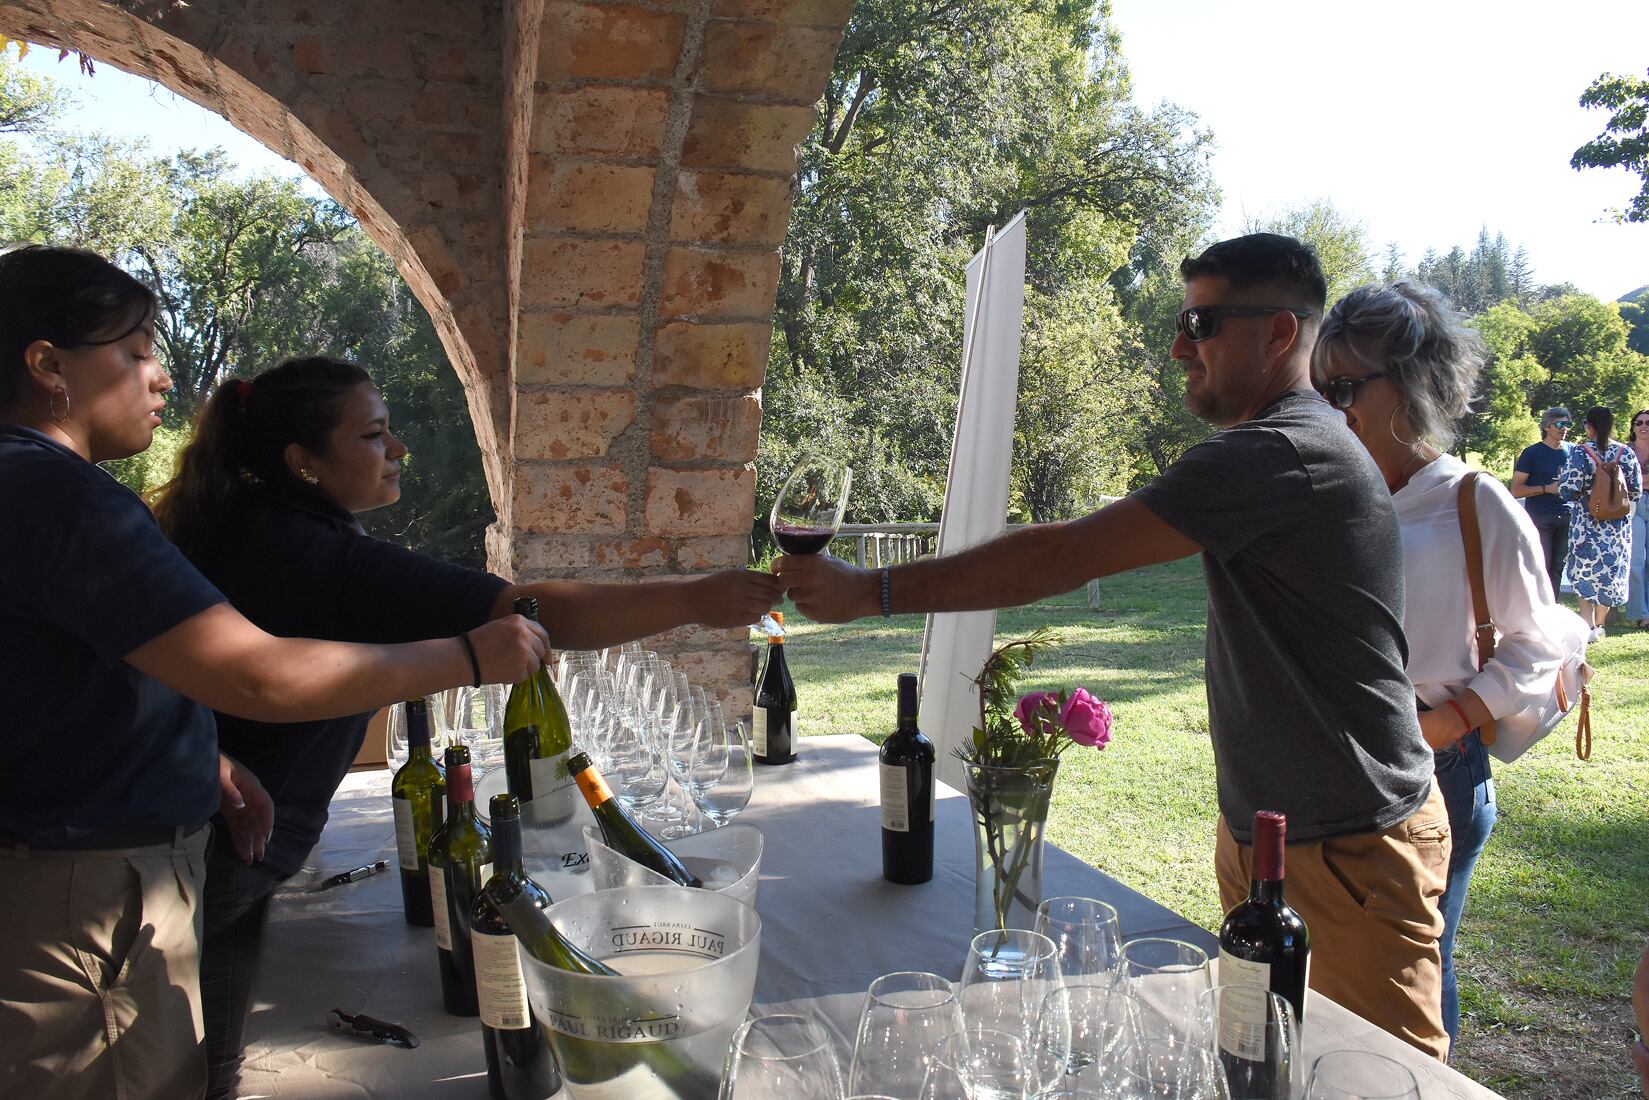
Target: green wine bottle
{"x": 460, "y": 862}
{"x": 537, "y": 739}
{"x": 519, "y": 1063}
{"x": 416, "y": 793}
{"x": 590, "y": 1061}
{"x": 620, "y": 831}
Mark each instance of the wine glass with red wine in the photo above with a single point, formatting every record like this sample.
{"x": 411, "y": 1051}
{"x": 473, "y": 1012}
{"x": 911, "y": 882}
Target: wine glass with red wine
{"x": 808, "y": 509}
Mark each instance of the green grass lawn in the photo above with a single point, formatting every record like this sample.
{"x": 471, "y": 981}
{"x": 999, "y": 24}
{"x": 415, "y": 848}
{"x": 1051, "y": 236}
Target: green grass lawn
{"x": 1559, "y": 907}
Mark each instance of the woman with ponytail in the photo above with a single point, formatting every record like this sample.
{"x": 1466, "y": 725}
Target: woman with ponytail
{"x": 114, "y": 651}
{"x": 264, "y": 503}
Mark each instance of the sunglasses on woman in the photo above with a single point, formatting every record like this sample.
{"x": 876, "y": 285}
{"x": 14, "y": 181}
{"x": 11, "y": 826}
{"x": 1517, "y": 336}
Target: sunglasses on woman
{"x": 1341, "y": 392}
{"x": 1199, "y": 323}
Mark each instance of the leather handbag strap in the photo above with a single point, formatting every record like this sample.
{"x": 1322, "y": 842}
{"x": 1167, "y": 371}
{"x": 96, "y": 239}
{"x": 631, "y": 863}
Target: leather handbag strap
{"x": 1583, "y": 723}
{"x": 1470, "y": 534}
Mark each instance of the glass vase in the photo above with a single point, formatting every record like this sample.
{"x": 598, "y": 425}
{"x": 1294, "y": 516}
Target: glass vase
{"x": 1010, "y": 815}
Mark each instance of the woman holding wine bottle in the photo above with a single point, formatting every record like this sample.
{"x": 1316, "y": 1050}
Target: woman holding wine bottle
{"x": 114, "y": 651}
{"x": 1400, "y": 365}
{"x": 264, "y": 504}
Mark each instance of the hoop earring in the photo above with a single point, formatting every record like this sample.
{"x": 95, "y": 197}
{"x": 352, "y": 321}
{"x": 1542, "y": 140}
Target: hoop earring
{"x": 1391, "y": 426}
{"x": 51, "y": 405}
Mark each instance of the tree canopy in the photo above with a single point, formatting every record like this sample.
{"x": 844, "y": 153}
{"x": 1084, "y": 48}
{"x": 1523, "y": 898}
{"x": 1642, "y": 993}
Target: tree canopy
{"x": 1624, "y": 142}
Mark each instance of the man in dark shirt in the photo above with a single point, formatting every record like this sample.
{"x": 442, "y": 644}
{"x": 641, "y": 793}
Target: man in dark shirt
{"x": 1310, "y": 712}
{"x": 1535, "y": 479}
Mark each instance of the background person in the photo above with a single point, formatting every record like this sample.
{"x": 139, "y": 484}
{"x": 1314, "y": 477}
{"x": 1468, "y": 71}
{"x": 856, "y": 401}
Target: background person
{"x": 1535, "y": 481}
{"x": 264, "y": 505}
{"x": 1402, "y": 367}
{"x": 1303, "y": 561}
{"x": 1636, "y": 611}
{"x": 110, "y": 644}
{"x": 1599, "y": 550}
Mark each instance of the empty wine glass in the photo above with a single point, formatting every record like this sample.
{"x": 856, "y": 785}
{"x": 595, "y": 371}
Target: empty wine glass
{"x": 1088, "y": 937}
{"x": 979, "y": 1064}
{"x": 1255, "y": 1038}
{"x": 1360, "y": 1075}
{"x": 396, "y": 731}
{"x": 477, "y": 720}
{"x": 724, "y": 772}
{"x": 905, "y": 1015}
{"x": 807, "y": 511}
{"x": 1012, "y": 983}
{"x": 783, "y": 1055}
{"x": 1161, "y": 1048}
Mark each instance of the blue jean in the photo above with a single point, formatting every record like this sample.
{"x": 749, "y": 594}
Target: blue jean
{"x": 234, "y": 911}
{"x": 1635, "y": 611}
{"x": 1467, "y": 784}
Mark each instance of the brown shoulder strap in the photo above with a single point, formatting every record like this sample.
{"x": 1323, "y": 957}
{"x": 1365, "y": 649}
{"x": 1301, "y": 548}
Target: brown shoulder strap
{"x": 1473, "y": 539}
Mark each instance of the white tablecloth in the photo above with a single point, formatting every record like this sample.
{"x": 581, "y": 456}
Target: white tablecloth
{"x": 831, "y": 924}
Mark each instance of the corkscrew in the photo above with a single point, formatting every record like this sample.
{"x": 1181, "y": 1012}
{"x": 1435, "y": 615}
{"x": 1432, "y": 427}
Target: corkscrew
{"x": 369, "y": 1027}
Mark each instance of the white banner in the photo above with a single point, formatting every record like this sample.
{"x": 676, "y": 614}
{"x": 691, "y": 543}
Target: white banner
{"x": 955, "y": 645}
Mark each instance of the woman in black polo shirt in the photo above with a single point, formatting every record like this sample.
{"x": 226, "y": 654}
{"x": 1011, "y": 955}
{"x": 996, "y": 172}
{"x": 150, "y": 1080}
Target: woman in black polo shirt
{"x": 264, "y": 505}
{"x": 112, "y": 650}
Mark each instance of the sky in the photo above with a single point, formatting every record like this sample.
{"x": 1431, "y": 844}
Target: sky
{"x": 1423, "y": 121}
{"x": 1426, "y": 122}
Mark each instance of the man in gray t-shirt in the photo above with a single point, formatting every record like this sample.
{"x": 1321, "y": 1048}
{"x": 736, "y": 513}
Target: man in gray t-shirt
{"x": 1310, "y": 712}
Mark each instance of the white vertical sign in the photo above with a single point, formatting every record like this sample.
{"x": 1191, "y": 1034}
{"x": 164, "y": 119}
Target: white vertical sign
{"x": 955, "y": 645}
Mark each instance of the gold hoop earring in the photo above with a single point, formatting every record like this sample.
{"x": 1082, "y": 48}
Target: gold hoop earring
{"x": 309, "y": 478}
{"x": 51, "y": 405}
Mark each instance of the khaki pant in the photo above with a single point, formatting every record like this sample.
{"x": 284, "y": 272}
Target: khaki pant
{"x": 100, "y": 973}
{"x": 1370, "y": 902}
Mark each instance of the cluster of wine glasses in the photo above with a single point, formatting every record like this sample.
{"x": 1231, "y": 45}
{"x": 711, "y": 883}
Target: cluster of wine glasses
{"x": 665, "y": 745}
{"x": 1064, "y": 1012}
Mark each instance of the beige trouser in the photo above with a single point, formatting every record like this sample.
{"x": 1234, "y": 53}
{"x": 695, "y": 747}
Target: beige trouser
{"x": 1369, "y": 901}
{"x": 100, "y": 973}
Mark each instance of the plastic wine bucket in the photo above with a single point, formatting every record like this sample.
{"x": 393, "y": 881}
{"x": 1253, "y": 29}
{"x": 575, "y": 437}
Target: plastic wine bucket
{"x": 728, "y": 860}
{"x": 687, "y": 962}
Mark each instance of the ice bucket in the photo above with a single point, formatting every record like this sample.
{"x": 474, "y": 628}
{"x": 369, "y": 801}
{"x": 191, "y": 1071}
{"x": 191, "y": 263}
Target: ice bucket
{"x": 728, "y": 860}
{"x": 687, "y": 960}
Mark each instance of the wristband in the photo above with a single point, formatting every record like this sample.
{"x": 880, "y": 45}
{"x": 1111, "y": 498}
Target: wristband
{"x": 887, "y": 597}
{"x": 469, "y": 650}
{"x": 1461, "y": 711}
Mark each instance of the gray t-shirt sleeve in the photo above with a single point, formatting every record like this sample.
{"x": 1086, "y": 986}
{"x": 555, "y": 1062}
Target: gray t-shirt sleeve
{"x": 1234, "y": 487}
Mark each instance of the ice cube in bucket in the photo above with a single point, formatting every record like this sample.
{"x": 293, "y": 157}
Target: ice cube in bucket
{"x": 687, "y": 962}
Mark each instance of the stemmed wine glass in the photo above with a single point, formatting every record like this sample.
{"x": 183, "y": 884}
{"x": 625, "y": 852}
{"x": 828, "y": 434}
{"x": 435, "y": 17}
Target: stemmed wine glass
{"x": 783, "y": 1055}
{"x": 1360, "y": 1075}
{"x": 905, "y": 1017}
{"x": 807, "y": 512}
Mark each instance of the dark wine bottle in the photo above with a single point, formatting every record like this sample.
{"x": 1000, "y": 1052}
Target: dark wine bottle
{"x": 773, "y": 716}
{"x": 620, "y": 831}
{"x": 583, "y": 1061}
{"x": 519, "y": 1063}
{"x": 460, "y": 861}
{"x": 907, "y": 795}
{"x": 416, "y": 793}
{"x": 537, "y": 739}
{"x": 1264, "y": 946}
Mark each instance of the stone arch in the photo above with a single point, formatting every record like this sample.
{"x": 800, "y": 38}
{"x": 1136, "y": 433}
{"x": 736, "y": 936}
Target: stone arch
{"x": 588, "y": 196}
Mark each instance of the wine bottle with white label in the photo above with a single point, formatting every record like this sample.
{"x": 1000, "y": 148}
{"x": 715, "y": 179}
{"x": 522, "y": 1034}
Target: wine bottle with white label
{"x": 519, "y": 1063}
{"x": 416, "y": 793}
{"x": 773, "y": 715}
{"x": 1264, "y": 945}
{"x": 460, "y": 861}
{"x": 907, "y": 795}
{"x": 537, "y": 739}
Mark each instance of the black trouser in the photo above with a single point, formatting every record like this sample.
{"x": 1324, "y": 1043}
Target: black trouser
{"x": 234, "y": 911}
{"x": 1554, "y": 543}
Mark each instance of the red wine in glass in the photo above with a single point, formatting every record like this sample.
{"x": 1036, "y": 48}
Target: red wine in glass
{"x": 807, "y": 512}
{"x": 802, "y": 540}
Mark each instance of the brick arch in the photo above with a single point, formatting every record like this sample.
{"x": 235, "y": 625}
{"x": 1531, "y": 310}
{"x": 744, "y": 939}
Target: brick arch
{"x": 588, "y": 196}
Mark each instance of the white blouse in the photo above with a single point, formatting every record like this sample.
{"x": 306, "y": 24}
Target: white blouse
{"x": 1438, "y": 615}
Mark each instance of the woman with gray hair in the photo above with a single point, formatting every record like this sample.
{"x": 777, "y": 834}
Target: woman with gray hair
{"x": 1402, "y": 367}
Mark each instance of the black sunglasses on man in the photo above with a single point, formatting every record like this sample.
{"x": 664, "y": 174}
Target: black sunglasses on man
{"x": 1199, "y": 323}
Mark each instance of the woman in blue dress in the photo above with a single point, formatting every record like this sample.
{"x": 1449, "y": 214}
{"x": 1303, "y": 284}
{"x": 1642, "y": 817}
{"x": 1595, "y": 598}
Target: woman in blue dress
{"x": 1599, "y": 550}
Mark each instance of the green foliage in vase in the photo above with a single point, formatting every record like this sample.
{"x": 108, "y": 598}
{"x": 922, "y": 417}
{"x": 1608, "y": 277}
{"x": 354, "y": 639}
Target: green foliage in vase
{"x": 999, "y": 740}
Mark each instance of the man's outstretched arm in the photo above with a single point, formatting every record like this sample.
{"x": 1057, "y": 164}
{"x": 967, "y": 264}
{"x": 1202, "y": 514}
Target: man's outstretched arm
{"x": 1017, "y": 568}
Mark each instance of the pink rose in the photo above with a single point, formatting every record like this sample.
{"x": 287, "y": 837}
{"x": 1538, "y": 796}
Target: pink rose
{"x": 1029, "y": 704}
{"x": 1086, "y": 719}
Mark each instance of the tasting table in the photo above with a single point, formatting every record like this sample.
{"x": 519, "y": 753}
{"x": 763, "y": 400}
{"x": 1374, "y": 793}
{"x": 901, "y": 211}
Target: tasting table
{"x": 830, "y": 925}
